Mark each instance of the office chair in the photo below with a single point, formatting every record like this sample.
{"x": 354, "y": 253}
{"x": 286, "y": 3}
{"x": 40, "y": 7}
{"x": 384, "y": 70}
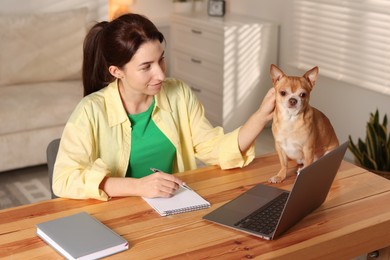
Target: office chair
{"x": 51, "y": 155}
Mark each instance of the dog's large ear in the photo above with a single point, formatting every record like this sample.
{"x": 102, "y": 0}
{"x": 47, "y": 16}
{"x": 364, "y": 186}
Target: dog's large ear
{"x": 311, "y": 76}
{"x": 276, "y": 73}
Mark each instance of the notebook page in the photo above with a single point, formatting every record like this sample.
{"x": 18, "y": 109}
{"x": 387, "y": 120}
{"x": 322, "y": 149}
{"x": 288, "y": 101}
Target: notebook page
{"x": 183, "y": 201}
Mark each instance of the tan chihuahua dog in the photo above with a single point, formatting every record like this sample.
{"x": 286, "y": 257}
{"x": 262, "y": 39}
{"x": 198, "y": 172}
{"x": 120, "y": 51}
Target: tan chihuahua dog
{"x": 301, "y": 132}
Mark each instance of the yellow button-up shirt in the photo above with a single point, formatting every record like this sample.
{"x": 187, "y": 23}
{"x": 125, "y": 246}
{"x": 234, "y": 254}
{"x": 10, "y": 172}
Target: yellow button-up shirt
{"x": 96, "y": 140}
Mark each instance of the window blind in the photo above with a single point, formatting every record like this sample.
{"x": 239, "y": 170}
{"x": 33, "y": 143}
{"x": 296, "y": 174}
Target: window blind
{"x": 349, "y": 40}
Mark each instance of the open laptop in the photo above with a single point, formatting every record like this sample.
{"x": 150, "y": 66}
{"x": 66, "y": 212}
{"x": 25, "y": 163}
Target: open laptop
{"x": 310, "y": 189}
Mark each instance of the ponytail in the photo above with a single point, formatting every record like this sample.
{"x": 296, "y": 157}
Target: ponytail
{"x": 95, "y": 70}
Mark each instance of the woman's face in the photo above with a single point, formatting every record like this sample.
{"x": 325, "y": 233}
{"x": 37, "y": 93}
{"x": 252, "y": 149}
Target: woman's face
{"x": 145, "y": 72}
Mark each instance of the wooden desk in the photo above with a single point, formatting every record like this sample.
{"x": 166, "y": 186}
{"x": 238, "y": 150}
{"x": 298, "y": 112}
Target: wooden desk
{"x": 355, "y": 219}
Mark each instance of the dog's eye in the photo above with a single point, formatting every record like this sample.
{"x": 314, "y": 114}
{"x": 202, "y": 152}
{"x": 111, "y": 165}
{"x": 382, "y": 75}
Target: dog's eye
{"x": 282, "y": 93}
{"x": 302, "y": 95}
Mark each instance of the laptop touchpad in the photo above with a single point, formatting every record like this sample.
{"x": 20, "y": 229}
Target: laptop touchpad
{"x": 246, "y": 203}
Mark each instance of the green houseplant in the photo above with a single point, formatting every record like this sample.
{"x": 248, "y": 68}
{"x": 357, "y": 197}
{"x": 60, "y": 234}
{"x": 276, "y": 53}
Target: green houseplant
{"x": 374, "y": 153}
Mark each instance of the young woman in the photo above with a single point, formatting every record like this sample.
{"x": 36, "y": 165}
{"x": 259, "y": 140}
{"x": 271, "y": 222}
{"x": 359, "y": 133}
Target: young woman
{"x": 132, "y": 118}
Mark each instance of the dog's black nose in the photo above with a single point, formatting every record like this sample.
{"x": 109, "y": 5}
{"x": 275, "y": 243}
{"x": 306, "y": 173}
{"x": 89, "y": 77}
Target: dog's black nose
{"x": 292, "y": 101}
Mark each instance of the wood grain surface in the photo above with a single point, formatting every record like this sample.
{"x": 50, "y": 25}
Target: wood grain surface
{"x": 354, "y": 220}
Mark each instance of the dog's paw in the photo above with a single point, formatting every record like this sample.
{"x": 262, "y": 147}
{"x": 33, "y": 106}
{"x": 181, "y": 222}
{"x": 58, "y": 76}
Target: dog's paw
{"x": 275, "y": 179}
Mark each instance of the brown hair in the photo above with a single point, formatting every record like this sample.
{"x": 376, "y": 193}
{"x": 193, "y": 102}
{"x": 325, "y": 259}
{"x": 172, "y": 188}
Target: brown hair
{"x": 114, "y": 43}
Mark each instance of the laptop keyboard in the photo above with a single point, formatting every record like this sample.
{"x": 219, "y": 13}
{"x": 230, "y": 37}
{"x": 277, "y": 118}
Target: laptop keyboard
{"x": 265, "y": 219}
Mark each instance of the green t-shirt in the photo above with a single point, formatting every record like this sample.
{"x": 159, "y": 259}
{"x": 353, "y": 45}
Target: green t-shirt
{"x": 150, "y": 148}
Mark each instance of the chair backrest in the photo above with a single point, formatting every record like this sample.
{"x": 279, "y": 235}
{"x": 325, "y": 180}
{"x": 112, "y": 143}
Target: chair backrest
{"x": 51, "y": 155}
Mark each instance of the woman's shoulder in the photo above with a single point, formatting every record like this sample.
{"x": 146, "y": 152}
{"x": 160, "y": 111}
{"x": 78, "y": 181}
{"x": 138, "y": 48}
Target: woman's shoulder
{"x": 178, "y": 93}
{"x": 176, "y": 86}
{"x": 100, "y": 97}
{"x": 91, "y": 103}
{"x": 92, "y": 99}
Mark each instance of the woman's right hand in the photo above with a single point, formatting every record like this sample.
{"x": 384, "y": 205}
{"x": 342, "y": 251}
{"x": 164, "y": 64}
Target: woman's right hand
{"x": 159, "y": 184}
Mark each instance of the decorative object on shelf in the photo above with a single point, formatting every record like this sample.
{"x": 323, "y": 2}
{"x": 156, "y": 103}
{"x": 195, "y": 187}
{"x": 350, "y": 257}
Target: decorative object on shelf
{"x": 118, "y": 7}
{"x": 182, "y": 6}
{"x": 216, "y": 7}
{"x": 374, "y": 153}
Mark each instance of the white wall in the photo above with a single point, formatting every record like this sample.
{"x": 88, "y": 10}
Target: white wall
{"x": 347, "y": 106}
{"x": 156, "y": 10}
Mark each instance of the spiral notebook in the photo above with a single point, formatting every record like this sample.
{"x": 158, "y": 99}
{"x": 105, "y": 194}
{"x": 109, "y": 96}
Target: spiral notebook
{"x": 184, "y": 200}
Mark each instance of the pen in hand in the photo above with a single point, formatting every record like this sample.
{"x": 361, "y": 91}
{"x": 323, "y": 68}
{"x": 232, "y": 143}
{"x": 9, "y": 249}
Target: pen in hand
{"x": 182, "y": 185}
